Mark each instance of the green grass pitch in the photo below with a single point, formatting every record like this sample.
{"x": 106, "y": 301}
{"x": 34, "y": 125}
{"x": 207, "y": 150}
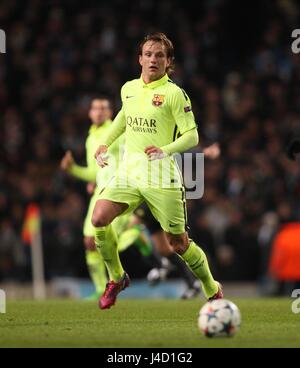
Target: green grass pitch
{"x": 143, "y": 323}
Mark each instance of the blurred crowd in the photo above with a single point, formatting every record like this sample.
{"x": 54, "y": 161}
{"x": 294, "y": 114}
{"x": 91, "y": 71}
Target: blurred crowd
{"x": 233, "y": 58}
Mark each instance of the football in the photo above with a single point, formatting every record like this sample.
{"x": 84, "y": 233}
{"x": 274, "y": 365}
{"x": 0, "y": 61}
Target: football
{"x": 219, "y": 318}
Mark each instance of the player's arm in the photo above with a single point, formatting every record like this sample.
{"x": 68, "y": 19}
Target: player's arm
{"x": 213, "y": 151}
{"x": 116, "y": 129}
{"x": 188, "y": 140}
{"x": 85, "y": 173}
{"x": 185, "y": 120}
{"x": 185, "y": 142}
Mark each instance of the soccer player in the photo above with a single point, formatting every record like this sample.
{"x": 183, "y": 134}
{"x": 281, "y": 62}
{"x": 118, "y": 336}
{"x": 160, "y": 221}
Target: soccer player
{"x": 100, "y": 114}
{"x": 154, "y": 112}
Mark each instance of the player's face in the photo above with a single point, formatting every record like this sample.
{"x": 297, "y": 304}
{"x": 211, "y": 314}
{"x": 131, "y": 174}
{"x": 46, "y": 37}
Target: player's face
{"x": 154, "y": 61}
{"x": 99, "y": 111}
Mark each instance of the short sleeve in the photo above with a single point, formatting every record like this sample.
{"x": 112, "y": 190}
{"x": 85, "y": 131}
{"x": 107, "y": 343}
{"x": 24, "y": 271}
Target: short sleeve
{"x": 181, "y": 108}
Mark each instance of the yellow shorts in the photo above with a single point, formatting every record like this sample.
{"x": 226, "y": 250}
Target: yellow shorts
{"x": 168, "y": 205}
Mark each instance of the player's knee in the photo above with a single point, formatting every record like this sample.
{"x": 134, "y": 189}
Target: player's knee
{"x": 100, "y": 219}
{"x": 178, "y": 243}
{"x": 89, "y": 243}
{"x": 178, "y": 247}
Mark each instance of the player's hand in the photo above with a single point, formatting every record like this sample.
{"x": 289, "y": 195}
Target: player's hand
{"x": 67, "y": 161}
{"x": 101, "y": 156}
{"x": 154, "y": 153}
{"x": 90, "y": 188}
{"x": 213, "y": 151}
{"x": 293, "y": 149}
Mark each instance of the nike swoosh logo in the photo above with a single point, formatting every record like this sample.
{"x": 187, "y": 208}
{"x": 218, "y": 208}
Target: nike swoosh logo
{"x": 129, "y": 96}
{"x": 173, "y": 225}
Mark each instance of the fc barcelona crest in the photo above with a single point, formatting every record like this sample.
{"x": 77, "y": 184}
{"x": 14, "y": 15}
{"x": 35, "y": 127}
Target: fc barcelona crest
{"x": 158, "y": 100}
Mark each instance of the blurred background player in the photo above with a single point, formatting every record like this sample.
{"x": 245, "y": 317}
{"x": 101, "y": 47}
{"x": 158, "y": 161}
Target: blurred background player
{"x": 284, "y": 257}
{"x": 100, "y": 114}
